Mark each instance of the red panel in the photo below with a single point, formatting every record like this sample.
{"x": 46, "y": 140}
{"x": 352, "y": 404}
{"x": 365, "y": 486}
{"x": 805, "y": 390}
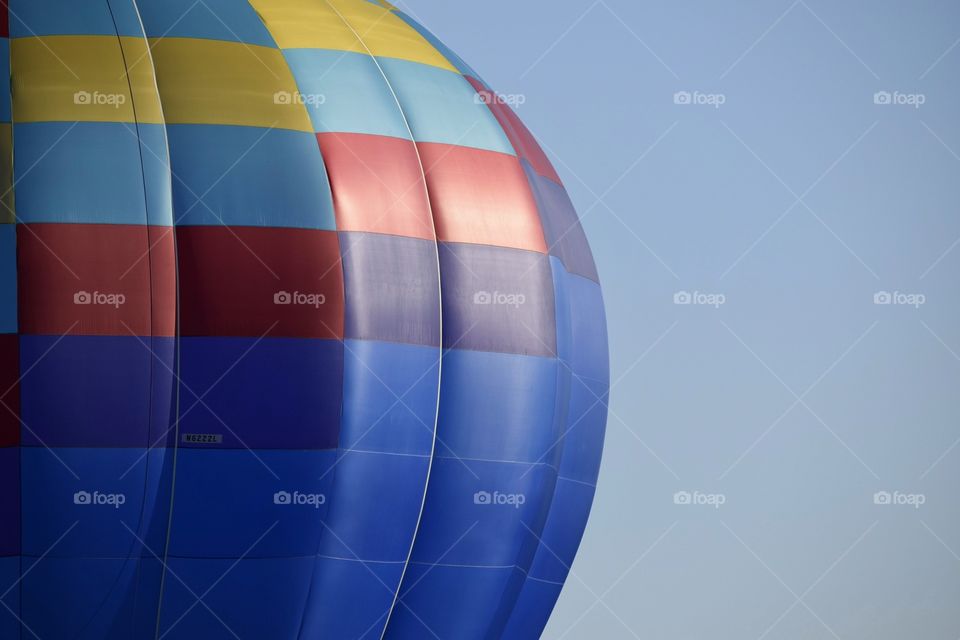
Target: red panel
{"x": 255, "y": 281}
{"x": 9, "y": 390}
{"x": 520, "y": 137}
{"x": 4, "y": 19}
{"x": 481, "y": 197}
{"x": 377, "y": 184}
{"x": 94, "y": 279}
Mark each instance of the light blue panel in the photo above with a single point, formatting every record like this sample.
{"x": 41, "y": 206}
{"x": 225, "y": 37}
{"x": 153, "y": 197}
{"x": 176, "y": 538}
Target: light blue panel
{"x": 211, "y": 19}
{"x": 261, "y": 598}
{"x": 345, "y": 92}
{"x": 249, "y": 176}
{"x": 156, "y": 173}
{"x": 374, "y": 506}
{"x": 461, "y": 525}
{"x": 77, "y": 598}
{"x": 226, "y": 499}
{"x": 499, "y": 406}
{"x": 441, "y": 106}
{"x": 86, "y": 172}
{"x": 334, "y": 611}
{"x": 466, "y": 603}
{"x": 30, "y": 18}
{"x": 9, "y": 574}
{"x": 61, "y": 487}
{"x": 8, "y": 278}
{"x": 5, "y": 104}
{"x": 389, "y": 397}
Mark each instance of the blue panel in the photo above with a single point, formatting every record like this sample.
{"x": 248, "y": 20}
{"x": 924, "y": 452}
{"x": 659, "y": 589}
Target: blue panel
{"x": 78, "y": 172}
{"x": 126, "y": 17}
{"x": 389, "y": 397}
{"x": 490, "y": 500}
{"x": 88, "y": 391}
{"x": 562, "y": 533}
{"x": 561, "y": 225}
{"x": 210, "y": 19}
{"x": 445, "y": 51}
{"x": 497, "y": 406}
{"x": 226, "y": 500}
{"x": 9, "y": 503}
{"x": 108, "y": 493}
{"x": 590, "y": 357}
{"x": 280, "y": 393}
{"x": 5, "y": 104}
{"x": 467, "y": 603}
{"x": 375, "y": 506}
{"x": 583, "y": 444}
{"x": 333, "y": 610}
{"x": 239, "y": 605}
{"x": 345, "y": 92}
{"x": 441, "y": 106}
{"x": 249, "y": 176}
{"x": 77, "y": 598}
{"x": 8, "y": 278}
{"x": 156, "y": 173}
{"x": 392, "y": 288}
{"x": 68, "y": 17}
{"x": 9, "y": 574}
{"x": 497, "y": 299}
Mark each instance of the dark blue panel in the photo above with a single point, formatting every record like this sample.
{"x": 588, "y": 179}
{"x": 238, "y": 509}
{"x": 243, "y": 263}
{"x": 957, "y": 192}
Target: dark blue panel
{"x": 589, "y": 356}
{"x": 499, "y": 406}
{"x": 9, "y": 502}
{"x": 249, "y": 176}
{"x": 274, "y": 393}
{"x": 334, "y": 611}
{"x": 389, "y": 397}
{"x": 211, "y": 19}
{"x": 8, "y": 278}
{"x": 239, "y": 604}
{"x": 497, "y": 299}
{"x": 125, "y": 17}
{"x": 163, "y": 403}
{"x": 76, "y": 598}
{"x": 226, "y": 500}
{"x": 9, "y": 575}
{"x": 561, "y": 225}
{"x": 466, "y": 603}
{"x": 374, "y": 507}
{"x": 95, "y": 167}
{"x": 87, "y": 391}
{"x": 490, "y": 507}
{"x": 30, "y": 18}
{"x": 101, "y": 490}
{"x": 583, "y": 444}
{"x": 392, "y": 287}
{"x": 562, "y": 533}
{"x": 532, "y": 610}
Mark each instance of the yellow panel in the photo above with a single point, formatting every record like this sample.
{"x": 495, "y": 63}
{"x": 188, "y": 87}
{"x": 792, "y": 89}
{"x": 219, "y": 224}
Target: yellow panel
{"x": 386, "y": 34}
{"x": 146, "y": 100}
{"x": 218, "y": 82}
{"x": 6, "y": 176}
{"x": 306, "y": 24}
{"x": 69, "y": 78}
{"x": 315, "y": 24}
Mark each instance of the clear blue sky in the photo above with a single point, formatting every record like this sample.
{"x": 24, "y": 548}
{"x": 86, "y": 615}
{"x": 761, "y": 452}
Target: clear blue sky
{"x": 787, "y": 187}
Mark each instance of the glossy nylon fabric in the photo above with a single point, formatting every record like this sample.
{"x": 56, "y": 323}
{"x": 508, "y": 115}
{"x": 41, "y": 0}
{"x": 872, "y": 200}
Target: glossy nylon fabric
{"x": 300, "y": 336}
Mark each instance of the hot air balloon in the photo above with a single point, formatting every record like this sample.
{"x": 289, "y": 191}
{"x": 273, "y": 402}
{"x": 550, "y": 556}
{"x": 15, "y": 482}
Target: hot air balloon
{"x": 301, "y": 335}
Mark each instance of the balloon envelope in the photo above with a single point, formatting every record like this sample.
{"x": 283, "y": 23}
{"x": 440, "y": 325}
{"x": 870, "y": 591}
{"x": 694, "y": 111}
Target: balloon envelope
{"x": 300, "y": 336}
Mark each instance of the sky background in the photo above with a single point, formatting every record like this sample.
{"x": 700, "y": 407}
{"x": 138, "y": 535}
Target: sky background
{"x": 791, "y": 193}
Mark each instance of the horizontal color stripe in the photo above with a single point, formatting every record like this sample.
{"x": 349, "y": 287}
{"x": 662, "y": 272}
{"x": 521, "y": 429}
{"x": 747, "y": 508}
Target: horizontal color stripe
{"x": 81, "y": 78}
{"x": 31, "y": 18}
{"x": 96, "y": 280}
{"x": 217, "y": 82}
{"x": 255, "y": 281}
{"x": 481, "y": 197}
{"x": 377, "y": 185}
{"x": 249, "y": 176}
{"x": 212, "y": 19}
